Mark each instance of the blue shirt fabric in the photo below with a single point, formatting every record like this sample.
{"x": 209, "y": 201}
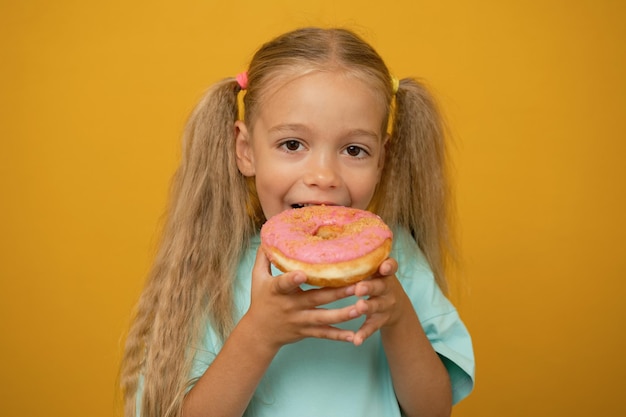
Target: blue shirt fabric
{"x": 316, "y": 377}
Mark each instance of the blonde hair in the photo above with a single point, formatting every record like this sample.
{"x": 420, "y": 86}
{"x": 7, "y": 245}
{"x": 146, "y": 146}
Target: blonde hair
{"x": 214, "y": 210}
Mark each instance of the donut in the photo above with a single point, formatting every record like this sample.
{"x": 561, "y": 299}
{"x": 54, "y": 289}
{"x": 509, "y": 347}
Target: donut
{"x": 333, "y": 245}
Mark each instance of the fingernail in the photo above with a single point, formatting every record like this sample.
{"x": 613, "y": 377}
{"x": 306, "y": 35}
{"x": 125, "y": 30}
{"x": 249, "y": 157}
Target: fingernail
{"x": 350, "y": 290}
{"x": 353, "y": 313}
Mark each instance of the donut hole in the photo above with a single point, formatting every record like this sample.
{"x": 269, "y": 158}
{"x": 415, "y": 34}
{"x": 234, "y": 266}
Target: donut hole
{"x": 331, "y": 231}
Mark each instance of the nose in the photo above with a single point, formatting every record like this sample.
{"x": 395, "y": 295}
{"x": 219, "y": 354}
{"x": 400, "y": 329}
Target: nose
{"x": 322, "y": 171}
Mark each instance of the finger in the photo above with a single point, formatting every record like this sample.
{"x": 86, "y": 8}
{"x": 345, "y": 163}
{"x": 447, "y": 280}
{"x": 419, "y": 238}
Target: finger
{"x": 330, "y": 333}
{"x": 362, "y": 307}
{"x": 376, "y": 306}
{"x": 261, "y": 264}
{"x": 260, "y": 271}
{"x": 314, "y": 317}
{"x": 371, "y": 287}
{"x": 377, "y": 286}
{"x": 321, "y": 296}
{"x": 372, "y": 323}
{"x": 288, "y": 282}
{"x": 368, "y": 329}
{"x": 388, "y": 267}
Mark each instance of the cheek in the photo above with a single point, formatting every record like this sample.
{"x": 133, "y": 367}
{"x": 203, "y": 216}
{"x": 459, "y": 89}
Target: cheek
{"x": 363, "y": 189}
{"x": 269, "y": 172}
{"x": 271, "y": 181}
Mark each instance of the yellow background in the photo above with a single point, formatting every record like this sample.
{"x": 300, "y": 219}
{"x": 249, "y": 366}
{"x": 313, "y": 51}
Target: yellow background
{"x": 93, "y": 98}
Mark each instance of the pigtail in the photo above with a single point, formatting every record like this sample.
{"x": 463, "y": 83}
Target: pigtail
{"x": 206, "y": 230}
{"x": 414, "y": 185}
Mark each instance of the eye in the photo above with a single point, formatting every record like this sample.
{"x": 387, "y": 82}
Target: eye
{"x": 356, "y": 151}
{"x": 291, "y": 145}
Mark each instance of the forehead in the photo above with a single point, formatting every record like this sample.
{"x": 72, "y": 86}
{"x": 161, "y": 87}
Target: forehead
{"x": 293, "y": 95}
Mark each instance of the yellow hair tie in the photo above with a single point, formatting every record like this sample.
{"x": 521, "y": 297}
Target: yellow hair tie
{"x": 395, "y": 84}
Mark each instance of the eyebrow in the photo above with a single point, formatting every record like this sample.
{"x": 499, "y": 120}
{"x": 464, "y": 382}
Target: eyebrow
{"x": 288, "y": 127}
{"x": 295, "y": 127}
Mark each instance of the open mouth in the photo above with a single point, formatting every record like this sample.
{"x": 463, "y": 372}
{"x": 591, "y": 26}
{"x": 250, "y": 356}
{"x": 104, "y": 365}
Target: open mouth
{"x": 296, "y": 206}
{"x": 301, "y": 205}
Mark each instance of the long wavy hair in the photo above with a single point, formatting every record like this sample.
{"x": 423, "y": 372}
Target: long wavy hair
{"x": 213, "y": 209}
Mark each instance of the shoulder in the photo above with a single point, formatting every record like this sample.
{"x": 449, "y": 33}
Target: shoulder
{"x": 406, "y": 251}
{"x": 414, "y": 272}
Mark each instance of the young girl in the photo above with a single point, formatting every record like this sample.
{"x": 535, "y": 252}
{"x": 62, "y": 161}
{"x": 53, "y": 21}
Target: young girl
{"x": 218, "y": 331}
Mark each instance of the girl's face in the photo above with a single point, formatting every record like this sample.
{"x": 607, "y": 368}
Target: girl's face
{"x": 316, "y": 139}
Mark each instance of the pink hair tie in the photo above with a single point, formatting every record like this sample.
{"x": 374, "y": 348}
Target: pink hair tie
{"x": 242, "y": 80}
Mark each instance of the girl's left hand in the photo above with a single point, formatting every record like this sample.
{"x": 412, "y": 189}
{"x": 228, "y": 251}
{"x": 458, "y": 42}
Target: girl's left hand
{"x": 383, "y": 305}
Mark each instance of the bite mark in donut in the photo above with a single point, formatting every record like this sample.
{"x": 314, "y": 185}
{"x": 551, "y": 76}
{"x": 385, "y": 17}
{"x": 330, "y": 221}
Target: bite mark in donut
{"x": 334, "y": 246}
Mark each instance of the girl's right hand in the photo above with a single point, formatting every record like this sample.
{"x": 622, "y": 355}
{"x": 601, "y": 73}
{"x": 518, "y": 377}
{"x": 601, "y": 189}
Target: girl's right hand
{"x": 284, "y": 313}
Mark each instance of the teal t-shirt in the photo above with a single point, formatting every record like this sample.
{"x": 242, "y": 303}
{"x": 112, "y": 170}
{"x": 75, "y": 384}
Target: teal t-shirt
{"x": 316, "y": 377}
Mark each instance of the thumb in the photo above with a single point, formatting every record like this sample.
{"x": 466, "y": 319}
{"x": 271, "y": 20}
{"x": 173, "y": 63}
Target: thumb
{"x": 289, "y": 282}
{"x": 261, "y": 269}
{"x": 284, "y": 283}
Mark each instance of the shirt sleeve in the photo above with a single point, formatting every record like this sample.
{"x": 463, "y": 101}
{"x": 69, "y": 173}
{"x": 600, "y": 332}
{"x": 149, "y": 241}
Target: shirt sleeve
{"x": 203, "y": 355}
{"x": 441, "y": 322}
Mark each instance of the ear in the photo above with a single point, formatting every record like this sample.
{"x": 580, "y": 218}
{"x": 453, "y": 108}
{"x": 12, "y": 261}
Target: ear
{"x": 243, "y": 150}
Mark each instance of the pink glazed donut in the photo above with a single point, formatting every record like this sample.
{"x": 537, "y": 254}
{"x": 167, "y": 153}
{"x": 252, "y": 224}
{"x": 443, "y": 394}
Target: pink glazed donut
{"x": 333, "y": 245}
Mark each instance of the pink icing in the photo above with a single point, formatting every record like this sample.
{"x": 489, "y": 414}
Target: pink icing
{"x": 294, "y": 233}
